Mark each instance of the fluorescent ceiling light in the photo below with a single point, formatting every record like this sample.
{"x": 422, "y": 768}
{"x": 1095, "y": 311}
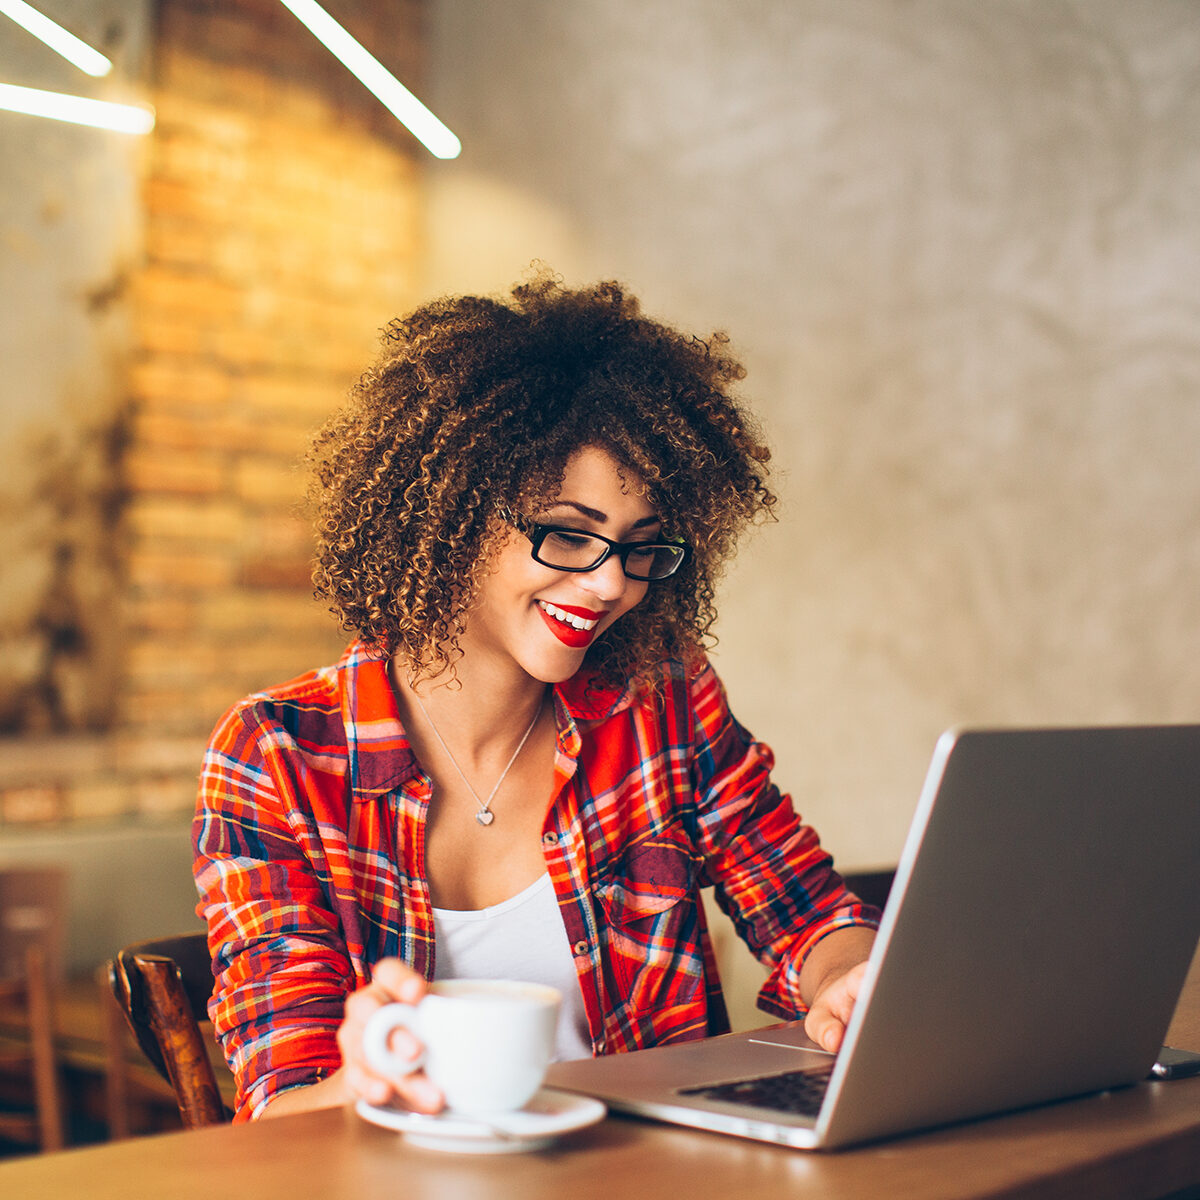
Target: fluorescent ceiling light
{"x": 436, "y": 137}
{"x": 124, "y": 118}
{"x": 56, "y": 37}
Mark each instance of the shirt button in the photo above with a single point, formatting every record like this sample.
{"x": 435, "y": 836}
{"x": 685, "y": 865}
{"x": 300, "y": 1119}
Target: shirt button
{"x": 580, "y": 947}
{"x": 549, "y": 839}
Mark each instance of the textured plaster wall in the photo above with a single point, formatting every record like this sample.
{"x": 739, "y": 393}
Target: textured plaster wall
{"x": 958, "y": 245}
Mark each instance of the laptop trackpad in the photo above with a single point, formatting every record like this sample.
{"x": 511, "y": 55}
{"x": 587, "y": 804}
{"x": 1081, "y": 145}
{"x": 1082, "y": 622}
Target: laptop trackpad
{"x": 666, "y": 1069}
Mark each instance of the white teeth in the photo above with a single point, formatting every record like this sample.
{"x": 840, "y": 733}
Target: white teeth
{"x": 576, "y": 622}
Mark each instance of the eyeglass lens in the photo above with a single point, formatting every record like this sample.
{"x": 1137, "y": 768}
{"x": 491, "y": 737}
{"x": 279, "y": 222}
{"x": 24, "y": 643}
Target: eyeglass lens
{"x": 570, "y": 551}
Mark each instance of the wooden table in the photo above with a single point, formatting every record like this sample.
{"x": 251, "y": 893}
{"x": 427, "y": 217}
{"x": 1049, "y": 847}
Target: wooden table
{"x": 1140, "y": 1142}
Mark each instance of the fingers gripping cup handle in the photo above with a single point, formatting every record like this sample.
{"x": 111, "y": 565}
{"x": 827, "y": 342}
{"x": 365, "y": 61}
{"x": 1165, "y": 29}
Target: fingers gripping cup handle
{"x": 485, "y": 1042}
{"x": 377, "y": 1035}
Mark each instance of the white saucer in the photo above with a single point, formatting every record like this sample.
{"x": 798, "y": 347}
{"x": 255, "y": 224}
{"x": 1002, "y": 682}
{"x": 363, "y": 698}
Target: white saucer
{"x": 548, "y": 1115}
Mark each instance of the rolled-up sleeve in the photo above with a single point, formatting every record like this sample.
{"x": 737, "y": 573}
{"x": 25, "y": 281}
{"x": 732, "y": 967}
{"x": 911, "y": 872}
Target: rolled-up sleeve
{"x": 280, "y": 964}
{"x": 771, "y": 874}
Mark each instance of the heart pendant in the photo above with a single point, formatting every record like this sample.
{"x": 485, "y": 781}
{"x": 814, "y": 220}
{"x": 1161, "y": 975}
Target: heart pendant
{"x": 485, "y": 816}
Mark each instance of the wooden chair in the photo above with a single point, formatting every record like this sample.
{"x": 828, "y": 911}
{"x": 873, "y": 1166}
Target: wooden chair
{"x": 32, "y": 934}
{"x": 163, "y": 987}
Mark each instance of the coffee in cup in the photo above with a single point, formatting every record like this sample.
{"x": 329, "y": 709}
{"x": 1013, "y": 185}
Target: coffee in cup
{"x": 487, "y": 1042}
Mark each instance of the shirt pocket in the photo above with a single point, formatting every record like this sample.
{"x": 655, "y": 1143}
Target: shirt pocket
{"x": 650, "y": 923}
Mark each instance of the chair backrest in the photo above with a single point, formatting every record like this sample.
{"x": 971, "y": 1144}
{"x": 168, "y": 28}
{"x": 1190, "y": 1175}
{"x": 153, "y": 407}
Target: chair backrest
{"x": 163, "y": 988}
{"x": 872, "y": 887}
{"x": 32, "y": 938}
{"x": 33, "y": 907}
{"x": 33, "y": 934}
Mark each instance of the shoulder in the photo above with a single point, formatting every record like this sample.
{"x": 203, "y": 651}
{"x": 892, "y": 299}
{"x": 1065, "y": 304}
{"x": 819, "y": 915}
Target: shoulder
{"x": 672, "y": 685}
{"x": 307, "y": 707}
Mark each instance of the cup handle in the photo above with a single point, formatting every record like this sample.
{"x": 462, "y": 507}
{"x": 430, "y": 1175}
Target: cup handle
{"x": 378, "y": 1031}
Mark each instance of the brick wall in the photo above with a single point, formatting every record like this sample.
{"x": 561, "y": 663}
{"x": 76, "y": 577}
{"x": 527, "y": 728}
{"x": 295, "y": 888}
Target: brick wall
{"x": 281, "y": 232}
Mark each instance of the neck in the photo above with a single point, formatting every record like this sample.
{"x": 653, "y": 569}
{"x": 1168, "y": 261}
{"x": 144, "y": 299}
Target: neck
{"x": 483, "y": 715}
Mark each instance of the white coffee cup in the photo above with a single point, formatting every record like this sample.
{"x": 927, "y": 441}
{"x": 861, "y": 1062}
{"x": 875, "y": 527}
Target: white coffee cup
{"x": 487, "y": 1042}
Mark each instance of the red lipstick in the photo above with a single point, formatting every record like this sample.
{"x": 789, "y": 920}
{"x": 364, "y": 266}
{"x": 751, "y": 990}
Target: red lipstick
{"x": 566, "y": 633}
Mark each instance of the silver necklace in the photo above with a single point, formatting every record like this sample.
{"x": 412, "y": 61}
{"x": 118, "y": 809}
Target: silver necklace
{"x": 484, "y": 816}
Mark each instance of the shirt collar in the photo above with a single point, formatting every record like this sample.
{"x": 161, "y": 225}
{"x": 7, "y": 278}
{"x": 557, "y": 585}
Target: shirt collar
{"x": 380, "y": 756}
{"x": 587, "y": 700}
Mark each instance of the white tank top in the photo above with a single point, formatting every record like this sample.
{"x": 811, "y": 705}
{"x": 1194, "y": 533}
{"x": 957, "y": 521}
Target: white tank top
{"x": 521, "y": 938}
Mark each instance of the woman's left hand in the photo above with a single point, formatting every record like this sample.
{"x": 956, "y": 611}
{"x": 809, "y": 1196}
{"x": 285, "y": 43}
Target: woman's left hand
{"x": 831, "y": 1008}
{"x": 831, "y": 980}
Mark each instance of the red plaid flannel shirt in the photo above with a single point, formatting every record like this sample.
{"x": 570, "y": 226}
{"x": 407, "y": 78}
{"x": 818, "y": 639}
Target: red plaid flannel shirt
{"x": 309, "y": 844}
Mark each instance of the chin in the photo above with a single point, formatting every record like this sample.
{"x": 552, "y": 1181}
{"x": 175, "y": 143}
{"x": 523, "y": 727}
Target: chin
{"x": 559, "y": 665}
{"x": 544, "y": 673}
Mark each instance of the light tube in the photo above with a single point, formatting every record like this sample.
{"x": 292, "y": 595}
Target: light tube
{"x": 56, "y": 37}
{"x": 124, "y": 118}
{"x": 411, "y": 113}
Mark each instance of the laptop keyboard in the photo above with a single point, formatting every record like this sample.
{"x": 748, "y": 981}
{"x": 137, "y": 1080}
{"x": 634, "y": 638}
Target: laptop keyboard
{"x": 798, "y": 1092}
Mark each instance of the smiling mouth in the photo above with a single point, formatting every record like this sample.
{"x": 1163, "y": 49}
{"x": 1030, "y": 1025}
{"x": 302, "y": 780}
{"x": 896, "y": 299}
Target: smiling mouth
{"x": 573, "y": 629}
{"x": 575, "y": 620}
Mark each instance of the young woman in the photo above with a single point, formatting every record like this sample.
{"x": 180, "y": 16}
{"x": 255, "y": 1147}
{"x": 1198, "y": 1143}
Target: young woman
{"x": 524, "y": 765}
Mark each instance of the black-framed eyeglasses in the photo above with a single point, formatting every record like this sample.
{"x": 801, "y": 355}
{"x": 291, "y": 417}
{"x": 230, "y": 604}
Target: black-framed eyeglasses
{"x": 567, "y": 549}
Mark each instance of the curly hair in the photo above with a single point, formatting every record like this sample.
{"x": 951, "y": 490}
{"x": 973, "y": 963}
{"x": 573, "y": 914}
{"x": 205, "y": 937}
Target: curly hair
{"x": 472, "y": 411}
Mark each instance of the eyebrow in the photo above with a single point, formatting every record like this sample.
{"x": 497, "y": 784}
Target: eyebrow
{"x": 594, "y": 514}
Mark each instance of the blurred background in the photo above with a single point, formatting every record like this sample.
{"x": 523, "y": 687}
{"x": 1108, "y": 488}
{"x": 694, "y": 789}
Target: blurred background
{"x": 956, "y": 244}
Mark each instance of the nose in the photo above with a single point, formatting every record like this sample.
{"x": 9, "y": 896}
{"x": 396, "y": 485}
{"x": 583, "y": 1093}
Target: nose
{"x": 608, "y": 581}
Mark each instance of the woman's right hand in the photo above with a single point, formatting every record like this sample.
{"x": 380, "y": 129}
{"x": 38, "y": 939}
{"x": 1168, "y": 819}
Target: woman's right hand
{"x": 391, "y": 981}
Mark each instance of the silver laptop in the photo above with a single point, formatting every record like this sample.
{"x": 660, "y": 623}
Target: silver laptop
{"x": 1044, "y": 914}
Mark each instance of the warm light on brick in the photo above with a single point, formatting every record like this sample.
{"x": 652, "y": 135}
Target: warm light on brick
{"x": 280, "y": 213}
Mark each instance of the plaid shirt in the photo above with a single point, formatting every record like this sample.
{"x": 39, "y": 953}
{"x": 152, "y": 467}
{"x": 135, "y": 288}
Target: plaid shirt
{"x": 309, "y": 840}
